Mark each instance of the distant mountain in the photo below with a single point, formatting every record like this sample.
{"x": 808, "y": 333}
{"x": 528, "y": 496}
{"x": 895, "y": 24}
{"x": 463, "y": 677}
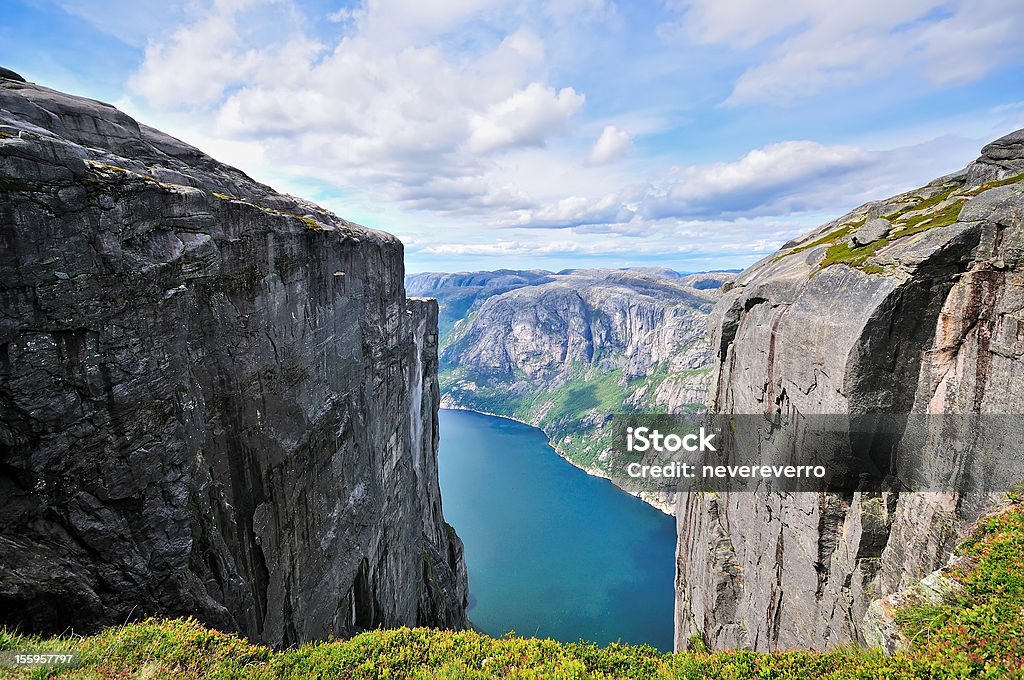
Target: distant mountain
{"x": 564, "y": 351}
{"x": 458, "y": 293}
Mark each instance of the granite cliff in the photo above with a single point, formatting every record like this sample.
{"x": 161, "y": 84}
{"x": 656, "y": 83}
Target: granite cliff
{"x": 215, "y": 400}
{"x": 563, "y": 351}
{"x": 908, "y": 305}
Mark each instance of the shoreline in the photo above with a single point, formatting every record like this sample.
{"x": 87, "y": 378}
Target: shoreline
{"x": 554, "y": 446}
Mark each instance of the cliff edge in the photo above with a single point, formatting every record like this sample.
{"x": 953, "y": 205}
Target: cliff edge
{"x": 912, "y": 305}
{"x": 215, "y": 400}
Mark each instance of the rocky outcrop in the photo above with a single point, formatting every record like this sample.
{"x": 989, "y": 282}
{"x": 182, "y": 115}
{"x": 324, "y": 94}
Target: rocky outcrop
{"x": 215, "y": 400}
{"x": 919, "y": 313}
{"x": 11, "y": 75}
{"x": 564, "y": 351}
{"x": 880, "y": 630}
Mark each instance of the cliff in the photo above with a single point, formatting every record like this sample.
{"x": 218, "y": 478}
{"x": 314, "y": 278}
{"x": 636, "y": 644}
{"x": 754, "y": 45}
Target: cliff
{"x": 910, "y": 305}
{"x": 564, "y": 351}
{"x": 215, "y": 400}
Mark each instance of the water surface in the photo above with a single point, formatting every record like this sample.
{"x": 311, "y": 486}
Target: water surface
{"x": 552, "y": 551}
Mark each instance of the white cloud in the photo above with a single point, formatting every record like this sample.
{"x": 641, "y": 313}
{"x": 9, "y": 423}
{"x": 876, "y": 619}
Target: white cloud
{"x": 983, "y": 34}
{"x": 526, "y": 118}
{"x": 792, "y": 176}
{"x": 525, "y": 43}
{"x": 574, "y": 211}
{"x": 627, "y": 242}
{"x": 235, "y": 43}
{"x": 573, "y": 10}
{"x": 798, "y": 178}
{"x": 130, "y": 21}
{"x": 757, "y": 180}
{"x": 813, "y": 47}
{"x": 610, "y": 146}
{"x": 504, "y": 247}
{"x": 462, "y": 195}
{"x": 403, "y": 118}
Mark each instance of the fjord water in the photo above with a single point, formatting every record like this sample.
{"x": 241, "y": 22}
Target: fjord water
{"x": 552, "y": 551}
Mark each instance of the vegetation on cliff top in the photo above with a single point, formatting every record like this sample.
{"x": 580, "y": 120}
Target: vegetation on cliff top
{"x": 978, "y": 632}
{"x": 984, "y": 616}
{"x": 185, "y": 649}
{"x": 916, "y": 213}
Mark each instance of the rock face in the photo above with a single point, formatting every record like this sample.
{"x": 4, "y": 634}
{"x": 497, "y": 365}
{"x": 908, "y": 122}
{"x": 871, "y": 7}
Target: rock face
{"x": 563, "y": 351}
{"x": 215, "y": 400}
{"x": 922, "y": 317}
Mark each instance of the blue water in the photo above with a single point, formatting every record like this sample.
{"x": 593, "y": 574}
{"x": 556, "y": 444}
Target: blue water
{"x": 551, "y": 551}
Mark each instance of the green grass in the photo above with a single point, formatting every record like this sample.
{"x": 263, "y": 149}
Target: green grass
{"x": 992, "y": 184}
{"x": 857, "y": 256}
{"x": 560, "y": 412}
{"x": 602, "y": 392}
{"x": 854, "y": 256}
{"x": 979, "y": 632}
{"x": 919, "y": 223}
{"x": 979, "y": 629}
{"x": 185, "y": 649}
{"x": 941, "y": 209}
{"x": 924, "y": 203}
{"x": 830, "y": 237}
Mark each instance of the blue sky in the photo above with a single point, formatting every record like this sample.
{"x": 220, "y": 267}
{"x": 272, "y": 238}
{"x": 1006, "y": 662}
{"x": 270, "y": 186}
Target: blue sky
{"x": 692, "y": 134}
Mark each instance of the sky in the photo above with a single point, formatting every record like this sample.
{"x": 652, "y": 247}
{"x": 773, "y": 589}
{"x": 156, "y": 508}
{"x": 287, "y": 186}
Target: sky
{"x": 690, "y": 134}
